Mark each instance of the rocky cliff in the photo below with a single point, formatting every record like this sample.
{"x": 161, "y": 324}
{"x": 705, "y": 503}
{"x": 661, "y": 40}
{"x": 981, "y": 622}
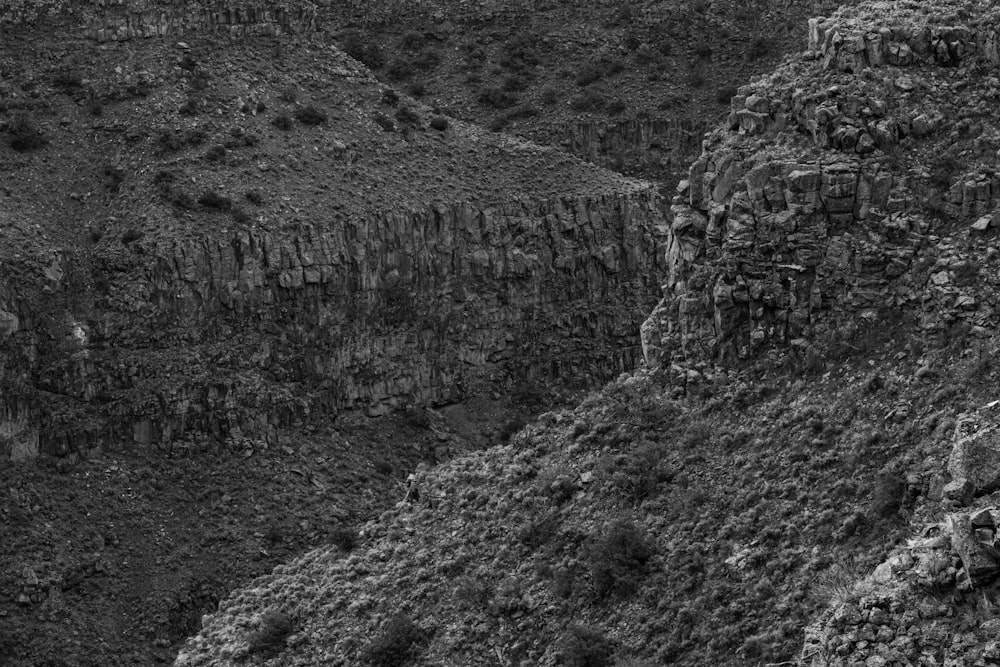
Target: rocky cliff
{"x": 375, "y": 262}
{"x": 826, "y": 194}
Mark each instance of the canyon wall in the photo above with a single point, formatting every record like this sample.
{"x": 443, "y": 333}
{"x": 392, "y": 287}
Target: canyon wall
{"x": 797, "y": 225}
{"x": 232, "y": 337}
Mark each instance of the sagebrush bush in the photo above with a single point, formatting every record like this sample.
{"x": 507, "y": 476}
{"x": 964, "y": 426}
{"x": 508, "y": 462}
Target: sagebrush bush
{"x": 384, "y": 121}
{"x": 255, "y": 197}
{"x": 345, "y": 538}
{"x": 407, "y": 116}
{"x": 439, "y": 123}
{"x": 396, "y": 644}
{"x": 618, "y": 559}
{"x": 131, "y": 235}
{"x": 496, "y": 98}
{"x": 282, "y": 121}
{"x": 24, "y": 135}
{"x": 589, "y": 100}
{"x": 758, "y": 48}
{"x": 586, "y": 647}
{"x": 269, "y": 638}
{"x": 310, "y": 115}
{"x": 213, "y": 200}
{"x": 400, "y": 69}
{"x": 216, "y": 153}
{"x": 364, "y": 50}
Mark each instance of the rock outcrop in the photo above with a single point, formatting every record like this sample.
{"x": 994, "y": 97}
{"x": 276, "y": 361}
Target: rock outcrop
{"x": 823, "y": 195}
{"x": 418, "y": 307}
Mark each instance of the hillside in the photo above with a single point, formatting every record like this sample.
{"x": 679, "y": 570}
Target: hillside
{"x": 819, "y": 389}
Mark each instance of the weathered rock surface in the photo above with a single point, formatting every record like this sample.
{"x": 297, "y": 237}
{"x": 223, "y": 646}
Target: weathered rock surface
{"x": 418, "y": 307}
{"x": 974, "y": 464}
{"x": 805, "y": 213}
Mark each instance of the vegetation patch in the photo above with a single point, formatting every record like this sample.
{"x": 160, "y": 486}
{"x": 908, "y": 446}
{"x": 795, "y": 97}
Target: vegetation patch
{"x": 618, "y": 559}
{"x": 397, "y": 643}
{"x": 23, "y": 135}
{"x": 269, "y": 638}
{"x": 310, "y": 115}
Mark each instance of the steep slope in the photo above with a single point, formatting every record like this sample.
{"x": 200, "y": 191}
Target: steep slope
{"x": 223, "y": 241}
{"x": 827, "y": 320}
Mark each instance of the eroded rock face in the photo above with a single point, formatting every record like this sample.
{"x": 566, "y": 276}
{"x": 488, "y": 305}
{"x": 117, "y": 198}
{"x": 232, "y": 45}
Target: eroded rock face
{"x": 659, "y": 145}
{"x": 814, "y": 210}
{"x": 760, "y": 250}
{"x": 236, "y": 335}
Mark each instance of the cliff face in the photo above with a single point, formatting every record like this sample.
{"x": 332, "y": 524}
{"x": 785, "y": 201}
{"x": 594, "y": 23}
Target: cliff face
{"x": 238, "y": 335}
{"x": 824, "y": 195}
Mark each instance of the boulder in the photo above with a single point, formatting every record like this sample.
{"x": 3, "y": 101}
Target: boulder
{"x": 974, "y": 464}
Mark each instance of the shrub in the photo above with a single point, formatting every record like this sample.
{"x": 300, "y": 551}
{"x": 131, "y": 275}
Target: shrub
{"x": 513, "y": 84}
{"x": 887, "y": 497}
{"x": 95, "y": 108}
{"x": 174, "y": 140}
{"x": 310, "y": 115}
{"x": 703, "y": 51}
{"x": 549, "y": 96}
{"x": 417, "y": 89}
{"x": 116, "y": 176}
{"x": 590, "y": 73}
{"x": 412, "y": 41}
{"x": 518, "y": 53}
{"x": 407, "y": 116}
{"x": 364, "y": 51}
{"x": 384, "y": 122}
{"x": 216, "y": 153}
{"x": 439, "y": 123}
{"x": 24, "y": 135}
{"x": 290, "y": 95}
{"x": 390, "y": 97}
{"x": 758, "y": 48}
{"x": 400, "y": 69}
{"x": 240, "y": 215}
{"x": 638, "y": 473}
{"x": 397, "y": 643}
{"x": 618, "y": 559}
{"x": 269, "y": 638}
{"x": 427, "y": 59}
{"x": 540, "y": 532}
{"x": 189, "y": 108}
{"x": 241, "y": 138}
{"x": 67, "y": 79}
{"x": 344, "y": 538}
{"x": 131, "y": 235}
{"x": 589, "y": 100}
{"x": 598, "y": 69}
{"x": 586, "y": 647}
{"x": 213, "y": 200}
{"x": 523, "y": 111}
{"x": 616, "y": 106}
{"x": 255, "y": 197}
{"x": 496, "y": 98}
{"x": 282, "y": 121}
